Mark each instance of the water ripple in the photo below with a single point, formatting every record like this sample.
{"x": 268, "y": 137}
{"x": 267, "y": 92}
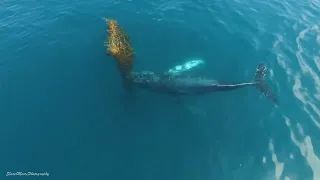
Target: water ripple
{"x": 278, "y": 165}
{"x": 289, "y": 28}
{"x": 301, "y": 81}
{"x": 306, "y": 148}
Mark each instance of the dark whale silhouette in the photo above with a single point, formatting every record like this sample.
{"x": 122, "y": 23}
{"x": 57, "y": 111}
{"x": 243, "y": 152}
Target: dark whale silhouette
{"x": 188, "y": 85}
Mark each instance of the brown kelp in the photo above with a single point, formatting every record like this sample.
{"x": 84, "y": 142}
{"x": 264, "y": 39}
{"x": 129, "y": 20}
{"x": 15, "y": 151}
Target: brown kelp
{"x": 118, "y": 45}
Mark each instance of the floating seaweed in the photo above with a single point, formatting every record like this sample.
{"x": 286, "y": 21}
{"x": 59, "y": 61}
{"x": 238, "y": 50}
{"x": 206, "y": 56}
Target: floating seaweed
{"x": 118, "y": 45}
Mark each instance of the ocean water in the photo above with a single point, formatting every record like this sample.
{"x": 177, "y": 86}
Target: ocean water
{"x": 63, "y": 110}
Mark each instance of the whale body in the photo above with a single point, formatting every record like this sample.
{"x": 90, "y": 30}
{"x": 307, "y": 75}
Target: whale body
{"x": 191, "y": 85}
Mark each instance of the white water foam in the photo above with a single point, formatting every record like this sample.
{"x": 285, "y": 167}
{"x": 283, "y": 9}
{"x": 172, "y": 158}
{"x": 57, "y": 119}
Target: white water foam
{"x": 304, "y": 97}
{"x": 279, "y": 165}
{"x": 308, "y": 98}
{"x": 306, "y": 148}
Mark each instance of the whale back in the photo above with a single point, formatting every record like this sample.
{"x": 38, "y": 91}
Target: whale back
{"x": 166, "y": 82}
{"x": 148, "y": 79}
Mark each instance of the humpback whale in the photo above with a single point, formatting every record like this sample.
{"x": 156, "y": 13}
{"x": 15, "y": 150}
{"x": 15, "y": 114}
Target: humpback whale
{"x": 190, "y": 85}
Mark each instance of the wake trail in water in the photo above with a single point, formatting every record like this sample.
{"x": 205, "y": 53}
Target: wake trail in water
{"x": 308, "y": 61}
{"x": 306, "y": 98}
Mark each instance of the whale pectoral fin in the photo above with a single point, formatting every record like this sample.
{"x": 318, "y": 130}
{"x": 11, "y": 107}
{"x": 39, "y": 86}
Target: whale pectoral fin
{"x": 177, "y": 98}
{"x": 187, "y": 67}
{"x": 194, "y": 110}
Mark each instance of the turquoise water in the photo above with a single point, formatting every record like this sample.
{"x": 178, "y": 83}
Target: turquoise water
{"x": 63, "y": 110}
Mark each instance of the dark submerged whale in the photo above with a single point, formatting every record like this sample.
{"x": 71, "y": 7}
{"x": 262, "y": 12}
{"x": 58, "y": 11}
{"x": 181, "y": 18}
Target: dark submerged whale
{"x": 188, "y": 85}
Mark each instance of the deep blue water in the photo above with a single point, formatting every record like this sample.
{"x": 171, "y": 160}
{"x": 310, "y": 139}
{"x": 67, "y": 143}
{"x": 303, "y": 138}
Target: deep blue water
{"x": 63, "y": 109}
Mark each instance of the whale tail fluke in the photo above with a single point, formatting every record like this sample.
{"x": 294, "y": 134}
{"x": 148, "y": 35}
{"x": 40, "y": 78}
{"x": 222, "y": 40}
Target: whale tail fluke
{"x": 259, "y": 80}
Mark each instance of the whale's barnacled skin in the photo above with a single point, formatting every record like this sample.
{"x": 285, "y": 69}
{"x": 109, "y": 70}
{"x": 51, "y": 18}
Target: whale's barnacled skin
{"x": 181, "y": 84}
{"x": 188, "y": 85}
